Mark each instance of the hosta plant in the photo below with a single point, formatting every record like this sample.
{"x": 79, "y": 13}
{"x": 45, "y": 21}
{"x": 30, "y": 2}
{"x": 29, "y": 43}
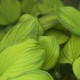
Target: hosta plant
{"x": 39, "y": 40}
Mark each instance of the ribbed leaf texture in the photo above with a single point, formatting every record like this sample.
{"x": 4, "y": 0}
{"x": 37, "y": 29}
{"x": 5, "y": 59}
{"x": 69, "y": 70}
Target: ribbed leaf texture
{"x": 69, "y": 17}
{"x": 61, "y": 37}
{"x": 71, "y": 50}
{"x": 34, "y": 75}
{"x": 20, "y": 58}
{"x": 48, "y": 21}
{"x": 51, "y": 47}
{"x": 28, "y": 27}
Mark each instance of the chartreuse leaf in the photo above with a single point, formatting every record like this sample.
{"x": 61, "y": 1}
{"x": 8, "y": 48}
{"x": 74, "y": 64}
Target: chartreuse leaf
{"x": 48, "y": 21}
{"x": 46, "y": 6}
{"x": 51, "y": 47}
{"x": 3, "y": 78}
{"x": 61, "y": 38}
{"x": 29, "y": 6}
{"x": 76, "y": 68}
{"x": 26, "y": 17}
{"x": 71, "y": 51}
{"x": 34, "y": 75}
{"x": 28, "y": 27}
{"x": 20, "y": 58}
{"x": 69, "y": 17}
{"x": 62, "y": 29}
{"x": 10, "y": 10}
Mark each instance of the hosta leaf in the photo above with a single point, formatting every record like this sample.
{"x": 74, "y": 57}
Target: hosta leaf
{"x": 69, "y": 17}
{"x": 9, "y": 11}
{"x": 20, "y": 58}
{"x": 76, "y": 68}
{"x": 71, "y": 51}
{"x": 62, "y": 29}
{"x": 29, "y": 6}
{"x": 48, "y": 21}
{"x": 26, "y": 17}
{"x": 45, "y": 6}
{"x": 25, "y": 29}
{"x": 3, "y": 78}
{"x": 61, "y": 38}
{"x": 51, "y": 47}
{"x": 34, "y": 75}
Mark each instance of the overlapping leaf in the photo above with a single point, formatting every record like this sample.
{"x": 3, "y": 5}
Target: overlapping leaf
{"x": 46, "y": 6}
{"x": 20, "y": 58}
{"x": 71, "y": 51}
{"x": 28, "y": 27}
{"x": 76, "y": 68}
{"x": 51, "y": 47}
{"x": 9, "y": 11}
{"x": 34, "y": 75}
{"x": 62, "y": 29}
{"x": 61, "y": 38}
{"x": 69, "y": 17}
{"x": 48, "y": 21}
